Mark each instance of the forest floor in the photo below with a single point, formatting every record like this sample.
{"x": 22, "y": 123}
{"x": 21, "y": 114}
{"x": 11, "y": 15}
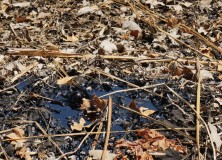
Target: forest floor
{"x": 111, "y": 79}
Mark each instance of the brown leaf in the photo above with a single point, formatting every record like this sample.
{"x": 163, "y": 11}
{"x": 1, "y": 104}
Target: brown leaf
{"x": 173, "y": 21}
{"x": 207, "y": 52}
{"x": 133, "y": 106}
{"x": 22, "y": 19}
{"x": 100, "y": 103}
{"x": 160, "y": 142}
{"x": 134, "y": 33}
{"x": 151, "y": 141}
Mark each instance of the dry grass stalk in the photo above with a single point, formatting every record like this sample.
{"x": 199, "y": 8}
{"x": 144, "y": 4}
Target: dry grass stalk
{"x": 107, "y": 129}
{"x": 198, "y": 109}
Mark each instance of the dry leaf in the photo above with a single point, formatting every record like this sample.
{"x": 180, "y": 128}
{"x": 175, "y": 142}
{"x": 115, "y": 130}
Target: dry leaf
{"x": 71, "y": 38}
{"x": 174, "y": 34}
{"x": 151, "y": 141}
{"x": 64, "y": 80}
{"x": 204, "y": 74}
{"x": 177, "y": 8}
{"x": 202, "y": 30}
{"x": 43, "y": 15}
{"x": 87, "y": 9}
{"x": 108, "y": 46}
{"x": 219, "y": 67}
{"x": 96, "y": 154}
{"x": 20, "y": 132}
{"x": 24, "y": 153}
{"x": 17, "y": 133}
{"x": 219, "y": 100}
{"x": 85, "y": 104}
{"x": 173, "y": 21}
{"x": 131, "y": 26}
{"x": 146, "y": 111}
{"x": 153, "y": 3}
{"x": 100, "y": 103}
{"x": 205, "y": 3}
{"x": 187, "y": 4}
{"x": 22, "y": 19}
{"x": 78, "y": 126}
{"x": 207, "y": 52}
{"x": 133, "y": 106}
{"x": 22, "y": 4}
{"x": 215, "y": 136}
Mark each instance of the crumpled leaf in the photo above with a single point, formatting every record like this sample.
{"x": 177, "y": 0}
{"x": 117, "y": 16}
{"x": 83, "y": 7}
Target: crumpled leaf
{"x": 43, "y": 15}
{"x": 151, "y": 141}
{"x": 205, "y": 3}
{"x": 133, "y": 106}
{"x": 21, "y": 4}
{"x": 186, "y": 4}
{"x": 219, "y": 100}
{"x": 64, "y": 80}
{"x": 78, "y": 126}
{"x": 96, "y": 154}
{"x": 144, "y": 111}
{"x": 131, "y": 25}
{"x": 71, "y": 38}
{"x": 215, "y": 136}
{"x": 85, "y": 104}
{"x": 24, "y": 153}
{"x": 174, "y": 33}
{"x": 177, "y": 8}
{"x": 173, "y": 21}
{"x": 220, "y": 77}
{"x": 202, "y": 30}
{"x": 219, "y": 67}
{"x": 108, "y": 46}
{"x": 204, "y": 74}
{"x": 100, "y": 103}
{"x": 17, "y": 134}
{"x": 207, "y": 52}
{"x": 153, "y": 3}
{"x": 87, "y": 9}
{"x": 177, "y": 70}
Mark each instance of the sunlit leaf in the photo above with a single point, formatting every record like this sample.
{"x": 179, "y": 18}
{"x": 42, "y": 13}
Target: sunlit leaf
{"x": 64, "y": 80}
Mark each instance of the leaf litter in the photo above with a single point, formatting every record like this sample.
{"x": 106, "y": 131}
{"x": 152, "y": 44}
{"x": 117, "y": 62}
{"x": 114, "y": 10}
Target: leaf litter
{"x": 59, "y": 61}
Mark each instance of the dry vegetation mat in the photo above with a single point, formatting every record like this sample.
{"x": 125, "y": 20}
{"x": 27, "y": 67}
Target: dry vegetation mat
{"x": 111, "y": 79}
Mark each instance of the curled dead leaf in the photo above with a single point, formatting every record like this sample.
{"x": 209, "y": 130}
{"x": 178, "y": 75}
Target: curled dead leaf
{"x": 78, "y": 126}
{"x": 24, "y": 153}
{"x": 85, "y": 104}
{"x": 146, "y": 111}
{"x": 64, "y": 80}
{"x": 16, "y": 137}
{"x": 100, "y": 103}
